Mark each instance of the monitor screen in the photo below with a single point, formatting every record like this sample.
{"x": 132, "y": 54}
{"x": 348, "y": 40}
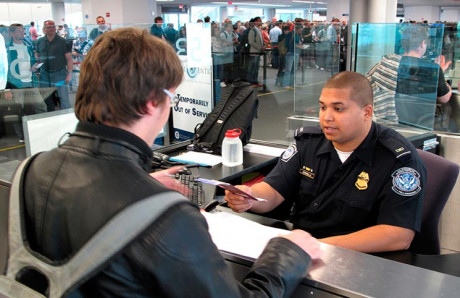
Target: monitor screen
{"x": 42, "y": 132}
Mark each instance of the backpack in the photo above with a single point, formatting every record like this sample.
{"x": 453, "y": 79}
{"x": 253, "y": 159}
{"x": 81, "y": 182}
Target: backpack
{"x": 245, "y": 46}
{"x": 29, "y": 273}
{"x": 282, "y": 46}
{"x": 236, "y": 109}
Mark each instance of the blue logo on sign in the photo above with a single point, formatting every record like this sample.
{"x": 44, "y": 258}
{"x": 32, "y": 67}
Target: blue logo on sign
{"x": 192, "y": 72}
{"x": 406, "y": 182}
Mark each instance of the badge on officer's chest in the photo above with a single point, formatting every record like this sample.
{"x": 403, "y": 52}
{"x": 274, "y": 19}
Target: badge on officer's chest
{"x": 361, "y": 182}
{"x": 308, "y": 172}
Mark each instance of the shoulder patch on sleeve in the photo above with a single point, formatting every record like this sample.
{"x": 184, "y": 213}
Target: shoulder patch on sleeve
{"x": 406, "y": 182}
{"x": 289, "y": 153}
{"x": 307, "y": 130}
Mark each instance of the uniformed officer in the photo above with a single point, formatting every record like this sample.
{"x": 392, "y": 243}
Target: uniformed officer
{"x": 351, "y": 182}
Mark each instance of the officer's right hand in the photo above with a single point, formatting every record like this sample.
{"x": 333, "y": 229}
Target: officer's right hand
{"x": 238, "y": 203}
{"x": 306, "y": 242}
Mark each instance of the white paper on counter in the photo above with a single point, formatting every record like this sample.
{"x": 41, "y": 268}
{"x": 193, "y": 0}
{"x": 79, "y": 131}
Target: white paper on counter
{"x": 201, "y": 158}
{"x": 238, "y": 235}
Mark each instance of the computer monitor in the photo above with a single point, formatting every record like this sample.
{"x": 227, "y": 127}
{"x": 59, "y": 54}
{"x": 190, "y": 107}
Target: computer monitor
{"x": 42, "y": 132}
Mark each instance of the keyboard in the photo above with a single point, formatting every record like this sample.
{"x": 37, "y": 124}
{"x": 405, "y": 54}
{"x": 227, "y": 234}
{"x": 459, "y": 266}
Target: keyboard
{"x": 192, "y": 190}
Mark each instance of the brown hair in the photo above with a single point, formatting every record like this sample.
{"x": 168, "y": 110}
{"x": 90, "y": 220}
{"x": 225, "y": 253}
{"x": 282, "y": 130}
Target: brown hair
{"x": 124, "y": 70}
{"x": 358, "y": 84}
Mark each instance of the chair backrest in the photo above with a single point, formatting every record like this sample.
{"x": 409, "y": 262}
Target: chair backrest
{"x": 441, "y": 178}
{"x": 4, "y": 199}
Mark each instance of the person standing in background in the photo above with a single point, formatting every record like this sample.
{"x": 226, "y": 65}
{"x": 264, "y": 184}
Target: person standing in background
{"x": 33, "y": 31}
{"x": 157, "y": 29}
{"x": 22, "y": 66}
{"x": 101, "y": 28}
{"x": 228, "y": 40}
{"x": 56, "y": 55}
{"x": 256, "y": 43}
{"x": 170, "y": 34}
{"x": 274, "y": 33}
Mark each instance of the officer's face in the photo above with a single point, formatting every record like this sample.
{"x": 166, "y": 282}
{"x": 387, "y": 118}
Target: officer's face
{"x": 343, "y": 121}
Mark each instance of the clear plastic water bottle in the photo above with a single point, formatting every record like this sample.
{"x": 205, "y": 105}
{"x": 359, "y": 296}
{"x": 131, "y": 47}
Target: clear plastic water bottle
{"x": 232, "y": 148}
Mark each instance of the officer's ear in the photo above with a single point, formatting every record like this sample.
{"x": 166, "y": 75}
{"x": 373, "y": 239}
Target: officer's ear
{"x": 368, "y": 110}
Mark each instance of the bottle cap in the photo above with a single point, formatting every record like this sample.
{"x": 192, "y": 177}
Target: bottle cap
{"x": 233, "y": 133}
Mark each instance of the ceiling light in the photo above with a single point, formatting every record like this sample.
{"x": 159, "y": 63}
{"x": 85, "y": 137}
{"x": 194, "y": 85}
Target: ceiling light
{"x": 251, "y": 4}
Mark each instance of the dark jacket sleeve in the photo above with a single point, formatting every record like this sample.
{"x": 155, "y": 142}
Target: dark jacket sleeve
{"x": 178, "y": 258}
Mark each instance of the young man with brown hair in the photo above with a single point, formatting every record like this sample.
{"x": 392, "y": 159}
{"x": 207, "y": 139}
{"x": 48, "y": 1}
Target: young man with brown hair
{"x": 123, "y": 101}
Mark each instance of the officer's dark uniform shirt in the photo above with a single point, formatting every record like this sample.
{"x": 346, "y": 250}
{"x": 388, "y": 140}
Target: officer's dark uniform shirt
{"x": 380, "y": 183}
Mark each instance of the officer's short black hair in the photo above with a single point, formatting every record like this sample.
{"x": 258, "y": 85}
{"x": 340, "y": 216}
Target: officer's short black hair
{"x": 358, "y": 84}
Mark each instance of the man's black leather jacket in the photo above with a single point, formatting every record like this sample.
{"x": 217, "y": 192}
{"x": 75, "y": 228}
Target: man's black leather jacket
{"x": 71, "y": 191}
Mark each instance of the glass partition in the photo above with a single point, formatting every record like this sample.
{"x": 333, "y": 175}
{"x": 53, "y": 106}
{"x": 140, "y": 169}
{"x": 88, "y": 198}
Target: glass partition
{"x": 287, "y": 75}
{"x": 405, "y": 64}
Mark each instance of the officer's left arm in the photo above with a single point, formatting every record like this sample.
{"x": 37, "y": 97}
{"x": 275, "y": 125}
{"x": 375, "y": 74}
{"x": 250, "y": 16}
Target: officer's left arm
{"x": 377, "y": 238}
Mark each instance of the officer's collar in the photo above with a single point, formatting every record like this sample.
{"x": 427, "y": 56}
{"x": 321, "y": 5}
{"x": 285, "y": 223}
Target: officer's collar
{"x": 364, "y": 152}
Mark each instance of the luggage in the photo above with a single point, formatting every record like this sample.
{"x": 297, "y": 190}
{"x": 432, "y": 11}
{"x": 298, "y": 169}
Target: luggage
{"x": 236, "y": 109}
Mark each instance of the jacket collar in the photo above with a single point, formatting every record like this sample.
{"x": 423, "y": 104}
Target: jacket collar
{"x": 103, "y": 139}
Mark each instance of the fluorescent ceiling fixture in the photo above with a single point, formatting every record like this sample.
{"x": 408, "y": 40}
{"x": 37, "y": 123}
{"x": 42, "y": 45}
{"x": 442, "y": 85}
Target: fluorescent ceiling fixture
{"x": 249, "y": 4}
{"x": 311, "y": 2}
{"x": 165, "y": 0}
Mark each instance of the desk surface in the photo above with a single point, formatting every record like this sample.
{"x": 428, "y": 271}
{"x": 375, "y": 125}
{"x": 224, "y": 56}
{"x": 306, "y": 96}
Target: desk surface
{"x": 251, "y": 162}
{"x": 354, "y": 274}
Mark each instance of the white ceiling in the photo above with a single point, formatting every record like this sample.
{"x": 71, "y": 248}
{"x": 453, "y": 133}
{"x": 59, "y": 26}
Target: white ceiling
{"x": 443, "y": 3}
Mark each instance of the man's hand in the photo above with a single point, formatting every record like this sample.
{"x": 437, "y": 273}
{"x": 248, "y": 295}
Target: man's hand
{"x": 238, "y": 203}
{"x": 68, "y": 77}
{"x": 166, "y": 177}
{"x": 441, "y": 60}
{"x": 306, "y": 242}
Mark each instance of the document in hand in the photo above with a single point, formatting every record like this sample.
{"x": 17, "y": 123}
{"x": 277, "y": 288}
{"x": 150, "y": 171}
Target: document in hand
{"x": 230, "y": 188}
{"x": 238, "y": 235}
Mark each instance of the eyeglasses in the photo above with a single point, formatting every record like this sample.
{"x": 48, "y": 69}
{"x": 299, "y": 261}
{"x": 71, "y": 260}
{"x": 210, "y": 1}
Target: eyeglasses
{"x": 50, "y": 27}
{"x": 174, "y": 98}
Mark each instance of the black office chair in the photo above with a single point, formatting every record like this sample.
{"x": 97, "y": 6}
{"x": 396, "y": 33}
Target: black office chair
{"x": 4, "y": 204}
{"x": 441, "y": 178}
